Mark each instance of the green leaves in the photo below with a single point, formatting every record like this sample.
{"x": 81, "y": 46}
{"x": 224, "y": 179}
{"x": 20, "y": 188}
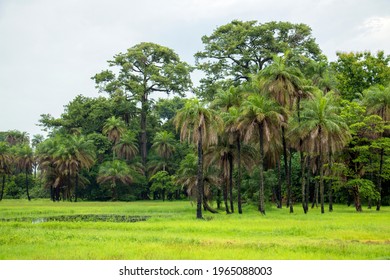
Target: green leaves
{"x": 237, "y": 50}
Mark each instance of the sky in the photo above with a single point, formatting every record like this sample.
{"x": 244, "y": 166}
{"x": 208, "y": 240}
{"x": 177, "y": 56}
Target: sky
{"x": 50, "y": 49}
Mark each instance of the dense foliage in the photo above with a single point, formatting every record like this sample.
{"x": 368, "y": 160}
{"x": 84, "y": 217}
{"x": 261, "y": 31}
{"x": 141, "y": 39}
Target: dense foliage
{"x": 272, "y": 121}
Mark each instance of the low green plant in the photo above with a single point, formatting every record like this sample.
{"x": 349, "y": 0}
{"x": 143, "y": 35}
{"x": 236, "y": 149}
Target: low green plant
{"x": 172, "y": 232}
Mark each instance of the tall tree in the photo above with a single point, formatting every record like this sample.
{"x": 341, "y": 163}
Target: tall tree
{"x": 237, "y": 50}
{"x": 262, "y": 117}
{"x": 145, "y": 68}
{"x": 24, "y": 157}
{"x": 199, "y": 125}
{"x": 284, "y": 83}
{"x": 377, "y": 100}
{"x": 224, "y": 100}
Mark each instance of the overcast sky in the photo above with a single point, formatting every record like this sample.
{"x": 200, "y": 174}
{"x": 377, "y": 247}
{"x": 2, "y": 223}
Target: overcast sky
{"x": 49, "y": 49}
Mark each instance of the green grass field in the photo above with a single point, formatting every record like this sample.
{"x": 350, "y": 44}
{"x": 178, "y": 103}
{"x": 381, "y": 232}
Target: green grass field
{"x": 172, "y": 232}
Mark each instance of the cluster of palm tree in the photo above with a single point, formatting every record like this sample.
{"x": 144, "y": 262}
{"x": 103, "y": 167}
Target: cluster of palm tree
{"x": 16, "y": 157}
{"x": 276, "y": 114}
{"x": 61, "y": 160}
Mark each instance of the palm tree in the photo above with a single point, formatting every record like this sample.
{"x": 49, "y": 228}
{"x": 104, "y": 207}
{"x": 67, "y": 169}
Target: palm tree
{"x": 45, "y": 158}
{"x": 164, "y": 145}
{"x": 221, "y": 154}
{"x": 321, "y": 130}
{"x": 15, "y": 137}
{"x": 187, "y": 175}
{"x": 62, "y": 158}
{"x": 127, "y": 146}
{"x": 231, "y": 120}
{"x": 283, "y": 82}
{"x": 262, "y": 117}
{"x": 198, "y": 124}
{"x": 83, "y": 153}
{"x": 25, "y": 161}
{"x": 225, "y": 100}
{"x": 114, "y": 129}
{"x": 377, "y": 100}
{"x": 5, "y": 160}
{"x": 113, "y": 172}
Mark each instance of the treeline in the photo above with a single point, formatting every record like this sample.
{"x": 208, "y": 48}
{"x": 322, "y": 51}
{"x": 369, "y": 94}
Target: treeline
{"x": 271, "y": 121}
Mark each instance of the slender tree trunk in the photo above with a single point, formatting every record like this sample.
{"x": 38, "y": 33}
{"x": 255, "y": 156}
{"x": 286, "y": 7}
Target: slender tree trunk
{"x": 225, "y": 195}
{"x": 52, "y": 195}
{"x": 239, "y": 175}
{"x": 113, "y": 189}
{"x": 208, "y": 207}
{"x": 57, "y": 191}
{"x": 279, "y": 191}
{"x": 291, "y": 203}
{"x": 261, "y": 170}
{"x": 286, "y": 169}
{"x": 330, "y": 189}
{"x": 230, "y": 159}
{"x": 28, "y": 194}
{"x": 144, "y": 109}
{"x": 307, "y": 183}
{"x": 321, "y": 169}
{"x": 2, "y": 188}
{"x": 379, "y": 202}
{"x": 200, "y": 176}
{"x": 356, "y": 195}
{"x": 219, "y": 199}
{"x": 315, "y": 195}
{"x": 76, "y": 187}
{"x": 303, "y": 180}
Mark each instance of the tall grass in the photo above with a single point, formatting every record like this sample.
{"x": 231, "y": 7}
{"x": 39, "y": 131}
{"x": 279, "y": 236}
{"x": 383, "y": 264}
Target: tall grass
{"x": 173, "y": 232}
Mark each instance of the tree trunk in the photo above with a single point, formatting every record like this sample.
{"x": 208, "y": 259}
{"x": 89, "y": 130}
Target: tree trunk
{"x": 307, "y": 183}
{"x": 28, "y": 194}
{"x": 321, "y": 172}
{"x": 199, "y": 176}
{"x": 225, "y": 195}
{"x": 279, "y": 191}
{"x": 291, "y": 203}
{"x": 113, "y": 189}
{"x": 261, "y": 170}
{"x": 230, "y": 159}
{"x": 356, "y": 196}
{"x": 315, "y": 195}
{"x": 379, "y": 202}
{"x": 52, "y": 195}
{"x": 239, "y": 175}
{"x": 2, "y": 188}
{"x": 303, "y": 180}
{"x": 208, "y": 207}
{"x": 57, "y": 193}
{"x": 219, "y": 199}
{"x": 144, "y": 109}
{"x": 330, "y": 189}
{"x": 76, "y": 187}
{"x": 286, "y": 169}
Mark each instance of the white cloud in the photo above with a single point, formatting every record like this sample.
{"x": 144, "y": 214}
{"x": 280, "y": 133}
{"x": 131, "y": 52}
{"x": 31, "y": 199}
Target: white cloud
{"x": 50, "y": 49}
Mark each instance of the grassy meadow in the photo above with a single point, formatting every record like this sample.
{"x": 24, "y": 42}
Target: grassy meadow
{"x": 171, "y": 231}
